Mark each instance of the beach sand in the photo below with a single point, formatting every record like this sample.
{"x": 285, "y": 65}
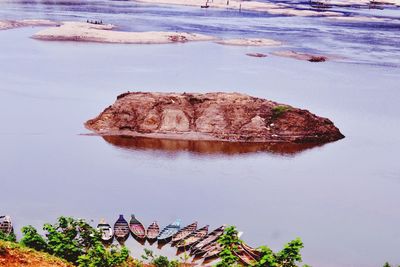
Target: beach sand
{"x": 301, "y": 56}
{"x": 249, "y": 42}
{"x": 87, "y": 32}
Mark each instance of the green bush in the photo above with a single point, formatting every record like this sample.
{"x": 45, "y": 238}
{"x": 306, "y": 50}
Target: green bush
{"x": 33, "y": 240}
{"x": 229, "y": 242}
{"x": 8, "y": 237}
{"x": 158, "y": 261}
{"x": 289, "y": 256}
{"x": 278, "y": 110}
{"x": 76, "y": 242}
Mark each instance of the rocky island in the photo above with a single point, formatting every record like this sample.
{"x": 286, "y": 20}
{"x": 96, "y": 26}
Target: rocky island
{"x": 217, "y": 116}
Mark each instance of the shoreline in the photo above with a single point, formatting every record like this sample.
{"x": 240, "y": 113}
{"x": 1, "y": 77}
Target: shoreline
{"x": 267, "y": 7}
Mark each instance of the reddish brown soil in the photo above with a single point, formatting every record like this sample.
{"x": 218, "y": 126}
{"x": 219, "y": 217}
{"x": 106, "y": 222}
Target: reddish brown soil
{"x": 13, "y": 256}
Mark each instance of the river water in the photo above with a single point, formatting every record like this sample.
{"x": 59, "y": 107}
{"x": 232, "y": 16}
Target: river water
{"x": 341, "y": 198}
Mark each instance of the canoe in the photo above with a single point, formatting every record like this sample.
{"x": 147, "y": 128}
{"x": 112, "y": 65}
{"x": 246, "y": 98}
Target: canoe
{"x": 213, "y": 250}
{"x": 107, "y": 233}
{"x": 6, "y": 225}
{"x": 121, "y": 229}
{"x": 256, "y": 254}
{"x": 245, "y": 257}
{"x": 153, "y": 231}
{"x": 205, "y": 249}
{"x": 137, "y": 228}
{"x": 184, "y": 232}
{"x": 167, "y": 233}
{"x": 193, "y": 238}
{"x": 211, "y": 237}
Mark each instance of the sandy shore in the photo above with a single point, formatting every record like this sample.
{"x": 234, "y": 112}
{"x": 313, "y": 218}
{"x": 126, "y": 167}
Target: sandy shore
{"x": 249, "y": 42}
{"x": 301, "y": 56}
{"x": 11, "y": 24}
{"x": 82, "y": 31}
{"x": 272, "y": 8}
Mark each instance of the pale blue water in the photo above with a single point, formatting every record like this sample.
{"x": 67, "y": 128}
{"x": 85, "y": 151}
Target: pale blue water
{"x": 341, "y": 198}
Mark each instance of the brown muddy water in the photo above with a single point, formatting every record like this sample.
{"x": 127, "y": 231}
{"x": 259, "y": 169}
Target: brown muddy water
{"x": 341, "y": 198}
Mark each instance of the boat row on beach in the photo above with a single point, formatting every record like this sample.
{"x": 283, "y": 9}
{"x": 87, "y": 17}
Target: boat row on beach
{"x": 199, "y": 242}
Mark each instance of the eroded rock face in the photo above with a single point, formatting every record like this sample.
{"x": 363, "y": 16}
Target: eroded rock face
{"x": 212, "y": 116}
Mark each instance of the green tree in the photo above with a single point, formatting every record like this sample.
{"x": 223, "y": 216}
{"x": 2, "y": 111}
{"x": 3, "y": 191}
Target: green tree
{"x": 229, "y": 242}
{"x": 75, "y": 241}
{"x": 158, "y": 261}
{"x": 33, "y": 240}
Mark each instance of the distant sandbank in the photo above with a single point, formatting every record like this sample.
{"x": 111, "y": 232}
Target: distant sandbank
{"x": 81, "y": 31}
{"x": 11, "y": 24}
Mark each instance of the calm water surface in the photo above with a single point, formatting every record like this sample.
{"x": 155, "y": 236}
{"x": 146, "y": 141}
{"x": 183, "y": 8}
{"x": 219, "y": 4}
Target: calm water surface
{"x": 341, "y": 198}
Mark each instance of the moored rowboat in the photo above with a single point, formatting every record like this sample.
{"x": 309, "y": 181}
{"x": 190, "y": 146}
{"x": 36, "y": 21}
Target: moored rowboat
{"x": 137, "y": 228}
{"x": 211, "y": 237}
{"x": 6, "y": 225}
{"x": 107, "y": 233}
{"x": 167, "y": 233}
{"x": 193, "y": 238}
{"x": 184, "y": 232}
{"x": 245, "y": 257}
{"x": 213, "y": 250}
{"x": 153, "y": 231}
{"x": 121, "y": 229}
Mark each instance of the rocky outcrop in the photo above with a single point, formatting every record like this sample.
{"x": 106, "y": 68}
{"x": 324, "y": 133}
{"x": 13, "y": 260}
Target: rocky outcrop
{"x": 213, "y": 116}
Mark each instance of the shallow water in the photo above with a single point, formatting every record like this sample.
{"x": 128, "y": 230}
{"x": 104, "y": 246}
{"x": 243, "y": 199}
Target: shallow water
{"x": 341, "y": 198}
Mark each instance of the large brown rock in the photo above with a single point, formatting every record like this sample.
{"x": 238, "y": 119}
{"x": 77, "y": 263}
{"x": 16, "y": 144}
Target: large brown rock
{"x": 212, "y": 116}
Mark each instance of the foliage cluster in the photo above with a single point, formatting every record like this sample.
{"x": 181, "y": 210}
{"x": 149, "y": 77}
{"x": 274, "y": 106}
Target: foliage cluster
{"x": 158, "y": 261}
{"x": 75, "y": 241}
{"x": 7, "y": 237}
{"x": 229, "y": 242}
{"x": 289, "y": 256}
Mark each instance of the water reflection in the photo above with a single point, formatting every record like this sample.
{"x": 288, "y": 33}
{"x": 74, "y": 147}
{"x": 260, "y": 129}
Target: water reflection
{"x": 207, "y": 147}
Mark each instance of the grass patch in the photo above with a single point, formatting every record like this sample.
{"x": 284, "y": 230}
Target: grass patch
{"x": 279, "y": 110}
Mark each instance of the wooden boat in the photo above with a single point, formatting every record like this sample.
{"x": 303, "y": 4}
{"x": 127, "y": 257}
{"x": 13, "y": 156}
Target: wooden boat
{"x": 107, "y": 233}
{"x": 211, "y": 237}
{"x": 6, "y": 225}
{"x": 245, "y": 257}
{"x": 184, "y": 232}
{"x": 167, "y": 233}
{"x": 153, "y": 231}
{"x": 137, "y": 228}
{"x": 256, "y": 254}
{"x": 121, "y": 229}
{"x": 213, "y": 250}
{"x": 193, "y": 238}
